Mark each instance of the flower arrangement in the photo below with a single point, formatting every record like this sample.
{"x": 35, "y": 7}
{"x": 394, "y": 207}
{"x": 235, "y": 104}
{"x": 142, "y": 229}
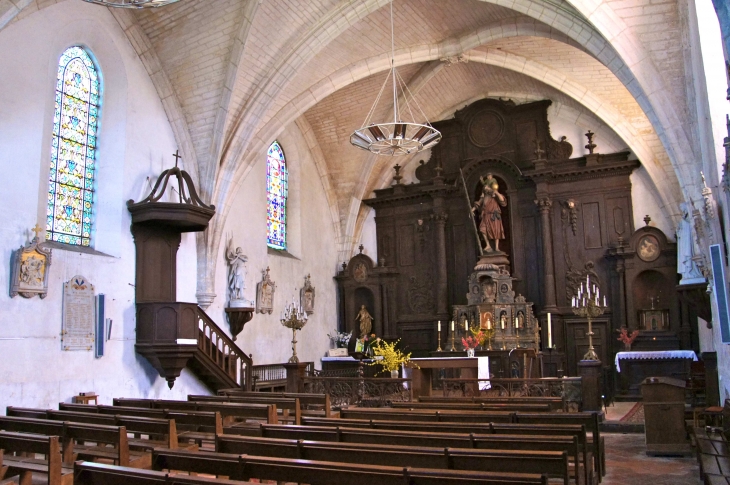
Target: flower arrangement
{"x": 482, "y": 334}
{"x": 392, "y": 357}
{"x": 472, "y": 342}
{"x": 341, "y": 339}
{"x": 367, "y": 343}
{"x": 624, "y": 336}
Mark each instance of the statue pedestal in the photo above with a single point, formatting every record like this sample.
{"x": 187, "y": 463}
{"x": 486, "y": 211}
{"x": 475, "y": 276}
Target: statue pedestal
{"x": 491, "y": 259}
{"x": 237, "y": 318}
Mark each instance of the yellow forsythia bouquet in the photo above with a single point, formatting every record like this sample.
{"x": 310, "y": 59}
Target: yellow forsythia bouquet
{"x": 392, "y": 358}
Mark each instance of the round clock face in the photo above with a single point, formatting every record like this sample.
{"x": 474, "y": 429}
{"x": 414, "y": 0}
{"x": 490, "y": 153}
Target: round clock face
{"x": 648, "y": 248}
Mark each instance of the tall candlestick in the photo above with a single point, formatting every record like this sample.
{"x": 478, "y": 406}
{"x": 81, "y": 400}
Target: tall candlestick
{"x": 550, "y": 332}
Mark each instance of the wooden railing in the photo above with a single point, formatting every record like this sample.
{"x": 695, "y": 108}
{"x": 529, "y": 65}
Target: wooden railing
{"x": 360, "y": 391}
{"x": 217, "y": 346}
{"x": 567, "y": 388}
{"x": 275, "y": 372}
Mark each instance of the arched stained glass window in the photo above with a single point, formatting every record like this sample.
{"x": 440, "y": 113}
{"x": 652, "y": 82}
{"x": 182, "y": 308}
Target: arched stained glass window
{"x": 277, "y": 189}
{"x": 73, "y": 149}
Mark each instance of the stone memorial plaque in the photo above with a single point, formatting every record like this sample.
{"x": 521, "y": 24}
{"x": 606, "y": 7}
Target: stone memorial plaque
{"x": 78, "y": 314}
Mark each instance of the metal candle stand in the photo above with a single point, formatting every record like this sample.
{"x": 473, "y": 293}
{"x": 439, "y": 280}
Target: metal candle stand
{"x": 294, "y": 317}
{"x": 587, "y": 304}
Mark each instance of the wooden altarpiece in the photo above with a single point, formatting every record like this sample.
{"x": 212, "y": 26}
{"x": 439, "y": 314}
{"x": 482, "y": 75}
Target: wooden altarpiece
{"x": 362, "y": 283}
{"x": 562, "y": 215}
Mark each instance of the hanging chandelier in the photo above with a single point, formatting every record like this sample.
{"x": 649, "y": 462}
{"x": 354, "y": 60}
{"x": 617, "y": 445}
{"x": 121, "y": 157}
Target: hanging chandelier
{"x": 403, "y": 135}
{"x": 132, "y": 3}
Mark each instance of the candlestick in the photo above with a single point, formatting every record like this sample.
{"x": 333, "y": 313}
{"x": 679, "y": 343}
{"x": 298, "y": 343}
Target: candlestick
{"x": 452, "y": 337}
{"x": 550, "y": 332}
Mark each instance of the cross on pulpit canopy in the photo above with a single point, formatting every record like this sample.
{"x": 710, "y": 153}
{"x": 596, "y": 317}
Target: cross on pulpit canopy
{"x": 37, "y": 230}
{"x": 361, "y": 247}
{"x": 177, "y": 156}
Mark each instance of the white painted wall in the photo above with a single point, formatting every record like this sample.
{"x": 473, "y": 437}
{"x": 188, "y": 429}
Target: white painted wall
{"x": 312, "y": 248}
{"x": 135, "y": 142}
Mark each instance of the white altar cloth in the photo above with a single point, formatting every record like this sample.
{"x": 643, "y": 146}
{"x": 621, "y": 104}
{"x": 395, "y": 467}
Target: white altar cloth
{"x": 658, "y": 354}
{"x": 483, "y": 373}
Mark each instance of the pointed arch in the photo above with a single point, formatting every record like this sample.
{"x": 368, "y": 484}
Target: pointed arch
{"x": 277, "y": 192}
{"x": 69, "y": 217}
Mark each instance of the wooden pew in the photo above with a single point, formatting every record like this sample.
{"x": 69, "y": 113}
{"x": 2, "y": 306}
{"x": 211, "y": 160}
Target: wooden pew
{"x": 568, "y": 443}
{"x": 87, "y": 473}
{"x": 432, "y": 415}
{"x": 523, "y": 407}
{"x": 286, "y": 404}
{"x": 556, "y": 403}
{"x": 310, "y": 403}
{"x": 553, "y": 464}
{"x": 230, "y": 412}
{"x": 245, "y": 467}
{"x": 161, "y": 432}
{"x": 24, "y": 467}
{"x": 73, "y": 437}
{"x": 196, "y": 426}
{"x": 588, "y": 419}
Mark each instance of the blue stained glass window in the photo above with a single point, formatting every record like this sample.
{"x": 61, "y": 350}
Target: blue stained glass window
{"x": 73, "y": 149}
{"x": 277, "y": 189}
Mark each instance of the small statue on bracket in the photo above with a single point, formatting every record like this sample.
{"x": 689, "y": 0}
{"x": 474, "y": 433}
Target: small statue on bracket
{"x": 236, "y": 276}
{"x": 490, "y": 213}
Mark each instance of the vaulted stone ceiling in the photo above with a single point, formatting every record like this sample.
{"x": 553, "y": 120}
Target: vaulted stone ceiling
{"x": 233, "y": 74}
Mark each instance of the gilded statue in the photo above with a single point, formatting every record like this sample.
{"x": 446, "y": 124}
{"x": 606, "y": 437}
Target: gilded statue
{"x": 488, "y": 207}
{"x": 366, "y": 321}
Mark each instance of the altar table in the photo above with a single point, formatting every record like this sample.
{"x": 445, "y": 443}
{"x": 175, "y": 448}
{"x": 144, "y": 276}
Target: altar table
{"x": 422, "y": 376}
{"x": 634, "y": 367}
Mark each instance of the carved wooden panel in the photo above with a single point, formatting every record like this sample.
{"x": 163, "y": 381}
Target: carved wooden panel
{"x": 419, "y": 336}
{"x": 459, "y": 236}
{"x": 619, "y": 218}
{"x": 532, "y": 256}
{"x": 592, "y": 225}
{"x": 406, "y": 245}
{"x": 527, "y": 131}
{"x": 486, "y": 128}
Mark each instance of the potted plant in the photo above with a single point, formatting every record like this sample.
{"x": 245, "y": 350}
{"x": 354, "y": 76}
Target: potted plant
{"x": 392, "y": 357}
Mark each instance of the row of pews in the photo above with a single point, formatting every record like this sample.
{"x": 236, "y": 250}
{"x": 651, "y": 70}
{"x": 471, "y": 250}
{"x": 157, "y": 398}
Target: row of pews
{"x": 239, "y": 436}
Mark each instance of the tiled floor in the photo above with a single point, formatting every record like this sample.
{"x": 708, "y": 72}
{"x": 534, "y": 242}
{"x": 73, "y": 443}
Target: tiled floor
{"x": 628, "y": 464}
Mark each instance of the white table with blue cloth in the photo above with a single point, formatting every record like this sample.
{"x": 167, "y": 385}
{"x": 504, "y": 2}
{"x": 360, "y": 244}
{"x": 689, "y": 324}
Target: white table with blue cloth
{"x": 634, "y": 367}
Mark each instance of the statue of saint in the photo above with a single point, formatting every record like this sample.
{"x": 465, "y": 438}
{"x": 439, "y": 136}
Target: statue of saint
{"x": 366, "y": 321}
{"x": 686, "y": 249}
{"x": 488, "y": 207}
{"x": 236, "y": 272}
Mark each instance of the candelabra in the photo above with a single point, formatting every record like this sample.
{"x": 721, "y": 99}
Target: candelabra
{"x": 587, "y": 304}
{"x": 294, "y": 317}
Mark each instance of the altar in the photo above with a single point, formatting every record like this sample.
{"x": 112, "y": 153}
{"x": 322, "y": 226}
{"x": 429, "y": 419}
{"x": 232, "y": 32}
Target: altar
{"x": 422, "y": 375}
{"x": 634, "y": 367}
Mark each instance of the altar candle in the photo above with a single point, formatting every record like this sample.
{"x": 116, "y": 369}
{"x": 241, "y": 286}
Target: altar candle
{"x": 550, "y": 332}
{"x": 489, "y": 324}
{"x": 588, "y": 280}
{"x": 439, "y": 326}
{"x": 501, "y": 319}
{"x": 604, "y": 300}
{"x": 452, "y": 325}
{"x": 517, "y": 324}
{"x": 466, "y": 325}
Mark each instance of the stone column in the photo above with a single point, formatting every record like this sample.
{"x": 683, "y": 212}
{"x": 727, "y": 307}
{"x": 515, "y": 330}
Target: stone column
{"x": 442, "y": 294}
{"x": 544, "y": 204}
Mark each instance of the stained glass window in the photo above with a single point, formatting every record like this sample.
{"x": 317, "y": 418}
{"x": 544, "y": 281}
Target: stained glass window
{"x": 277, "y": 189}
{"x": 73, "y": 149}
